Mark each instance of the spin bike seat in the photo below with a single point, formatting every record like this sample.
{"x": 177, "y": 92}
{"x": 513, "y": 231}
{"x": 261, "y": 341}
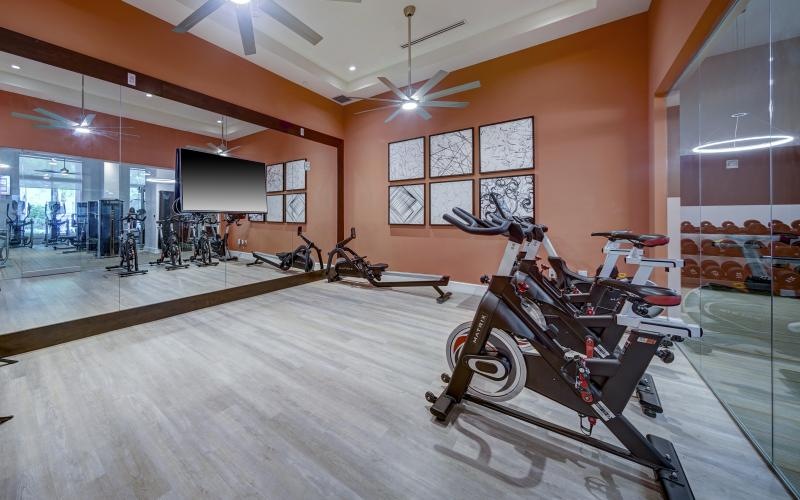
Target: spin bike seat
{"x": 637, "y": 239}
{"x": 649, "y": 294}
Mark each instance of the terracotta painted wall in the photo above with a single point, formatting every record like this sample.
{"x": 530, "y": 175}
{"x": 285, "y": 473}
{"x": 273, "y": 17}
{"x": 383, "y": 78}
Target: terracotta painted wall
{"x": 153, "y": 145}
{"x": 588, "y": 93}
{"x": 116, "y": 32}
{"x": 274, "y": 147}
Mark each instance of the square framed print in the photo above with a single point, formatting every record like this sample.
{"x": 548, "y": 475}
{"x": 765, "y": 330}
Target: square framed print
{"x": 255, "y": 217}
{"x": 506, "y": 146}
{"x": 296, "y": 175}
{"x": 275, "y": 178}
{"x": 451, "y": 153}
{"x": 447, "y": 195}
{"x": 407, "y": 205}
{"x": 296, "y": 207}
{"x": 515, "y": 193}
{"x": 275, "y": 208}
{"x": 407, "y": 159}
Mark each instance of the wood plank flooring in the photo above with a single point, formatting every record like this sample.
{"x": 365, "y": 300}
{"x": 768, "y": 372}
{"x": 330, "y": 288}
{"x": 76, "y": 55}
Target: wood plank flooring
{"x": 317, "y": 392}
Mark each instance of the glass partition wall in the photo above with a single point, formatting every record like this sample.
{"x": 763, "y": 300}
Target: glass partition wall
{"x": 86, "y": 164}
{"x": 734, "y": 121}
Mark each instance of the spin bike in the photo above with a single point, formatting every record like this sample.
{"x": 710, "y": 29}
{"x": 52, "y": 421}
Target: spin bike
{"x": 171, "y": 255}
{"x": 129, "y": 256}
{"x": 219, "y": 245}
{"x": 491, "y": 368}
{"x": 349, "y": 263}
{"x": 202, "y": 255}
{"x": 300, "y": 258}
{"x": 20, "y": 228}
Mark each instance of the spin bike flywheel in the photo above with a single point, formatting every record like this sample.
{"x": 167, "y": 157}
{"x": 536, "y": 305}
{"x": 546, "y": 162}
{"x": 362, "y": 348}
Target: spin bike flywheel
{"x": 505, "y": 349}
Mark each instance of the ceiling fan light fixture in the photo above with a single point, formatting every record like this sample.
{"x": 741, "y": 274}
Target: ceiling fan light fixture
{"x": 83, "y": 130}
{"x": 409, "y": 105}
{"x": 240, "y": 2}
{"x": 743, "y": 144}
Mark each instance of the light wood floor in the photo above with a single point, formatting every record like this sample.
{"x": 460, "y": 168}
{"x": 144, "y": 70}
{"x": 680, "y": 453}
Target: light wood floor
{"x": 317, "y": 392}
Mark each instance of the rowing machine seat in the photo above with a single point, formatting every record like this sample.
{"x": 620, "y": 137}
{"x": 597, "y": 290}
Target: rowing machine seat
{"x": 283, "y": 255}
{"x": 652, "y": 295}
{"x": 378, "y": 267}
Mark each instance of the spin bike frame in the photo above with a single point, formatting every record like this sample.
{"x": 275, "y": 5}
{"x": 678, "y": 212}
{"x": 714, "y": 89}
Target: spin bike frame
{"x": 358, "y": 267}
{"x": 553, "y": 372}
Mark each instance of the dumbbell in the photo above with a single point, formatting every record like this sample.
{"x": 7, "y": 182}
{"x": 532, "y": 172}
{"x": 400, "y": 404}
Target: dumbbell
{"x": 778, "y": 226}
{"x": 689, "y": 228}
{"x": 796, "y": 225}
{"x": 755, "y": 227}
{"x": 712, "y": 271}
{"x": 707, "y": 247}
{"x": 691, "y": 269}
{"x": 785, "y": 280}
{"x": 734, "y": 271}
{"x": 781, "y": 249}
{"x": 729, "y": 248}
{"x": 729, "y": 227}
{"x": 689, "y": 247}
{"x": 708, "y": 228}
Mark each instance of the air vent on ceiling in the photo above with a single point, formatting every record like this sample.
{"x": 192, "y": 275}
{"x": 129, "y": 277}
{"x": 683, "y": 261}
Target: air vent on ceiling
{"x": 341, "y": 99}
{"x": 435, "y": 33}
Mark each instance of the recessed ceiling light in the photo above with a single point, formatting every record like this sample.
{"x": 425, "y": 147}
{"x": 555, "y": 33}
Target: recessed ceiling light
{"x": 148, "y": 95}
{"x": 14, "y": 66}
{"x": 4, "y": 166}
{"x": 219, "y": 121}
{"x": 352, "y": 68}
{"x": 240, "y": 2}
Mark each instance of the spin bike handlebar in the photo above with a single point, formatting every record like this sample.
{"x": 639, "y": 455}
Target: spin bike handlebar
{"x": 470, "y": 225}
{"x": 345, "y": 241}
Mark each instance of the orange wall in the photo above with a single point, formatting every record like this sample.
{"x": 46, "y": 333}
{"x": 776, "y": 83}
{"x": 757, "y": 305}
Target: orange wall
{"x": 588, "y": 93}
{"x": 275, "y": 147}
{"x": 116, "y": 32}
{"x": 149, "y": 144}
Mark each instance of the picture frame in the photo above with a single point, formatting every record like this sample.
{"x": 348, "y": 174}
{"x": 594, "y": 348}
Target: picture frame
{"x": 451, "y": 154}
{"x": 406, "y": 205}
{"x": 259, "y": 217}
{"x": 275, "y": 177}
{"x": 275, "y": 208}
{"x": 516, "y": 192}
{"x": 406, "y": 159}
{"x": 295, "y": 176}
{"x": 446, "y": 195}
{"x": 506, "y": 146}
{"x": 296, "y": 208}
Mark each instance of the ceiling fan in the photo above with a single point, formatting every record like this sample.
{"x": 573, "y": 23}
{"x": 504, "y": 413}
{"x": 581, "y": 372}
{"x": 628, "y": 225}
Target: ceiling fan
{"x": 63, "y": 170}
{"x": 245, "y": 19}
{"x": 81, "y": 126}
{"x": 222, "y": 148}
{"x": 422, "y": 98}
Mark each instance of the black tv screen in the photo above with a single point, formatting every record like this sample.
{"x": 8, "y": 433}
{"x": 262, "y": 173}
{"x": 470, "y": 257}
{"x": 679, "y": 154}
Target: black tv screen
{"x": 207, "y": 182}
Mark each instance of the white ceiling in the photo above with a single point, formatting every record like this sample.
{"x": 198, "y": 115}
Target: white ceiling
{"x": 42, "y": 81}
{"x": 369, "y": 34}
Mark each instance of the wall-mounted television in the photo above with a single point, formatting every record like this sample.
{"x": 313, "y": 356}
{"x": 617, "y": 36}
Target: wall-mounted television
{"x": 207, "y": 182}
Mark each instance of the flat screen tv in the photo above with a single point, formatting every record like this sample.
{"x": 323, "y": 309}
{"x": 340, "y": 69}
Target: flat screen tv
{"x": 207, "y": 182}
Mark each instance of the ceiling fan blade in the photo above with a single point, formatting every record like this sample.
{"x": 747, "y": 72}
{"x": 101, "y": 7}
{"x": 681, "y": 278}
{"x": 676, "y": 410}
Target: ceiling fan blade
{"x": 56, "y": 117}
{"x": 283, "y": 16}
{"x": 444, "y": 104}
{"x": 421, "y": 112}
{"x": 375, "y": 109}
{"x": 87, "y": 121}
{"x": 434, "y": 80}
{"x": 48, "y": 171}
{"x": 32, "y": 117}
{"x": 393, "y": 115}
{"x": 231, "y": 149}
{"x": 213, "y": 147}
{"x": 54, "y": 126}
{"x": 195, "y": 17}
{"x": 399, "y": 93}
{"x": 245, "y": 19}
{"x": 396, "y": 101}
{"x": 452, "y": 90}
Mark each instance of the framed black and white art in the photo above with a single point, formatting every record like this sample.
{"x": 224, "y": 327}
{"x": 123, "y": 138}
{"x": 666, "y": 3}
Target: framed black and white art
{"x": 514, "y": 192}
{"x": 275, "y": 208}
{"x": 506, "y": 146}
{"x": 295, "y": 175}
{"x": 407, "y": 159}
{"x": 447, "y": 195}
{"x": 451, "y": 153}
{"x": 275, "y": 178}
{"x": 296, "y": 207}
{"x": 407, "y": 205}
{"x": 255, "y": 217}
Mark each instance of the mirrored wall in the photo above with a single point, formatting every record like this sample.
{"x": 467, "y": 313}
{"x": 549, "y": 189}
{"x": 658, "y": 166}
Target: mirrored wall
{"x": 87, "y": 173}
{"x": 734, "y": 121}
